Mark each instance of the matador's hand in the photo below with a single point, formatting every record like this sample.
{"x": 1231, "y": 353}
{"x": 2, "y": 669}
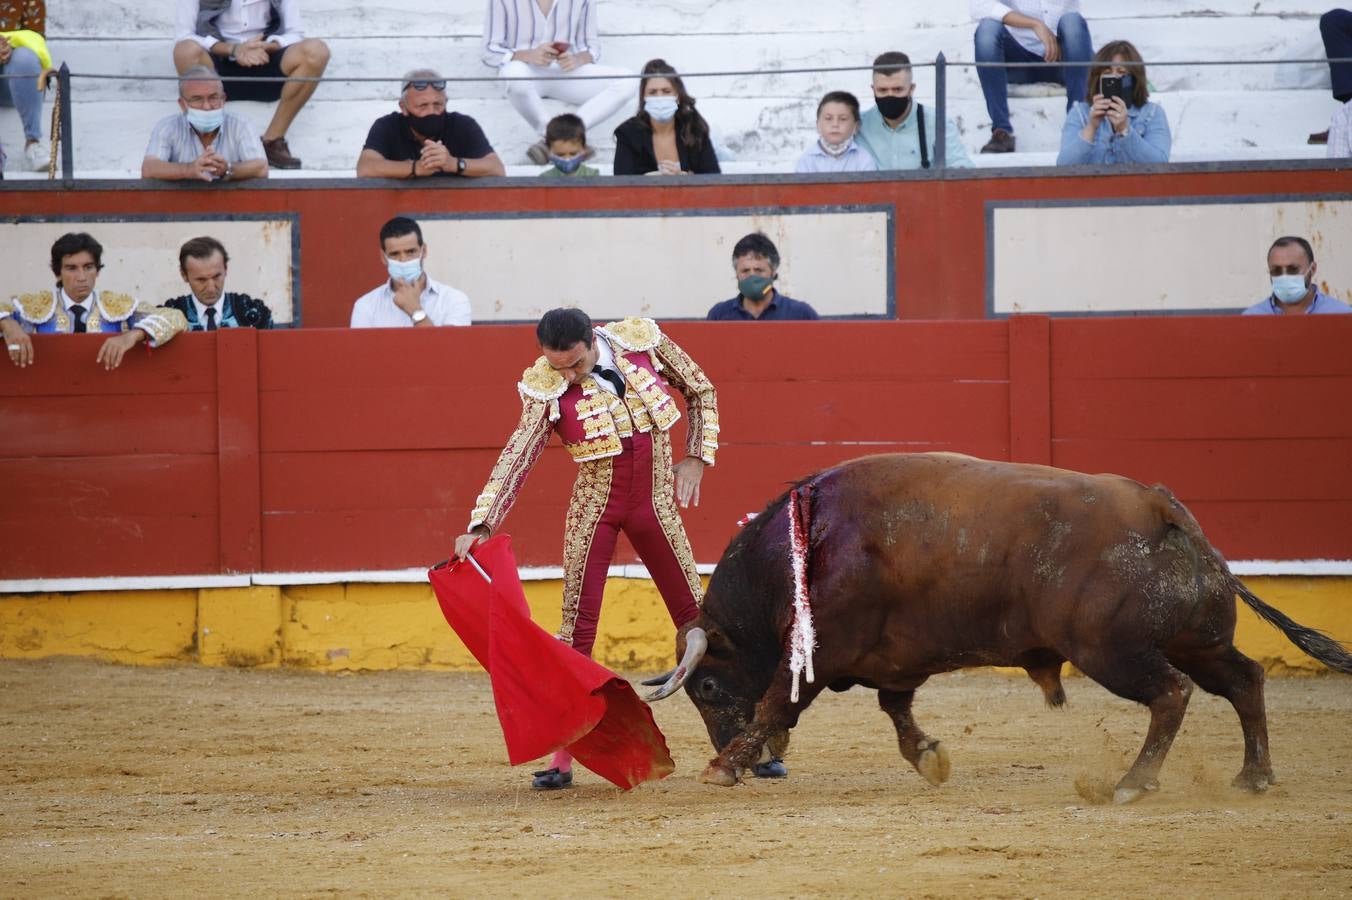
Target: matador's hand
{"x": 688, "y": 473}
{"x": 466, "y": 542}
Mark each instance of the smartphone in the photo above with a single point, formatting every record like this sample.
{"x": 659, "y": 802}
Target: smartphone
{"x": 560, "y": 47}
{"x": 1110, "y": 86}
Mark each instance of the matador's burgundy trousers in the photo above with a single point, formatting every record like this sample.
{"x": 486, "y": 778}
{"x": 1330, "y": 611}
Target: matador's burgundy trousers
{"x": 633, "y": 493}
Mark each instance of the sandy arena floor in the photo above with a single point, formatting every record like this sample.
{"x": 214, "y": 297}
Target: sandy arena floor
{"x": 206, "y": 782}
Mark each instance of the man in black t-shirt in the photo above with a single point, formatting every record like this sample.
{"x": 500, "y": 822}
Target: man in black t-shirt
{"x": 424, "y": 139}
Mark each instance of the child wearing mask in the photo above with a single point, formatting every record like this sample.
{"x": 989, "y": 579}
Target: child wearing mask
{"x": 566, "y": 141}
{"x": 835, "y": 149}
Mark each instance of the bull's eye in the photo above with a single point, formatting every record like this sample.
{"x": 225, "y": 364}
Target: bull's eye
{"x": 708, "y": 688}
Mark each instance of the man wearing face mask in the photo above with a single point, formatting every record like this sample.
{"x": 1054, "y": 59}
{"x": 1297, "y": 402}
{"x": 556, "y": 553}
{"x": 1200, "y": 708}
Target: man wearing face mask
{"x": 898, "y": 132}
{"x": 408, "y": 298}
{"x": 203, "y": 142}
{"x": 423, "y": 139}
{"x": 755, "y": 261}
{"x": 1292, "y": 268}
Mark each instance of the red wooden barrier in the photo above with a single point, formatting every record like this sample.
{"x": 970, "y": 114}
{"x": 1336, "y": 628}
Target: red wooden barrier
{"x": 336, "y": 450}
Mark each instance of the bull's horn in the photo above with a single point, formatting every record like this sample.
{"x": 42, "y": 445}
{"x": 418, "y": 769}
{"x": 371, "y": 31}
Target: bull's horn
{"x": 658, "y": 679}
{"x": 696, "y": 642}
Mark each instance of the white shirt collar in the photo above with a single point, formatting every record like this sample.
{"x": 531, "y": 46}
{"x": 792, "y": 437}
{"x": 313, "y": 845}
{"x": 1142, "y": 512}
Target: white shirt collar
{"x": 605, "y": 358}
{"x": 85, "y": 304}
{"x": 432, "y": 288}
{"x": 202, "y": 309}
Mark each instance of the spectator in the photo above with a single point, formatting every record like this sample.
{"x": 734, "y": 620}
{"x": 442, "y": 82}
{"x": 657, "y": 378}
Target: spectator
{"x": 75, "y": 307}
{"x": 423, "y": 139}
{"x": 566, "y": 140}
{"x": 203, "y": 142}
{"x": 23, "y": 52}
{"x": 755, "y": 260}
{"x": 835, "y": 149}
{"x": 667, "y": 136}
{"x": 565, "y": 58}
{"x": 202, "y": 262}
{"x": 254, "y": 40}
{"x": 1122, "y": 128}
{"x": 1291, "y": 267}
{"x": 409, "y": 298}
{"x": 1335, "y": 27}
{"x": 894, "y": 137}
{"x": 1340, "y": 133}
{"x": 1027, "y": 31}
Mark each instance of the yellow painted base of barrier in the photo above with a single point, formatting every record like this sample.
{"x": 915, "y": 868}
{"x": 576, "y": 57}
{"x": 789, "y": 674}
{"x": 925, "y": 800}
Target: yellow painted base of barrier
{"x": 389, "y": 626}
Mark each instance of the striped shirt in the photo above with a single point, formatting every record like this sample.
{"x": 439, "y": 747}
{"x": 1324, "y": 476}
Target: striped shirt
{"x": 175, "y": 141}
{"x": 511, "y": 25}
{"x": 1049, "y": 11}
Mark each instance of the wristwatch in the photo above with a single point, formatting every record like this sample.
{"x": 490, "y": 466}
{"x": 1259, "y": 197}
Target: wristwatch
{"x": 460, "y": 165}
{"x": 418, "y": 316}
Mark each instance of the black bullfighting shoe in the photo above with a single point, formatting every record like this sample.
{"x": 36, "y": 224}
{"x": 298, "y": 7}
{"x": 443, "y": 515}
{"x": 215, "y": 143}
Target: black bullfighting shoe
{"x": 775, "y": 768}
{"x": 551, "y": 780}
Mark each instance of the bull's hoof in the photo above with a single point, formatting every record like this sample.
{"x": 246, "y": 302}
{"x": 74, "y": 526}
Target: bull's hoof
{"x": 933, "y": 765}
{"x": 1254, "y": 782}
{"x": 1130, "y": 793}
{"x": 719, "y": 775}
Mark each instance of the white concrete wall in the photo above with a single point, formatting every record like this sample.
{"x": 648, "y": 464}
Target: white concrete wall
{"x": 1219, "y": 112}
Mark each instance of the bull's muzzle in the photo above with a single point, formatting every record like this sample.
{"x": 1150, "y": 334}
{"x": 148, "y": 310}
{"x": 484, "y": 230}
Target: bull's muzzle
{"x": 696, "y": 642}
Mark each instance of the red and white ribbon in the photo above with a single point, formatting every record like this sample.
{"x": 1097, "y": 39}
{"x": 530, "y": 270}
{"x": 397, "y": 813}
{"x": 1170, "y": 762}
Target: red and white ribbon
{"x": 802, "y": 634}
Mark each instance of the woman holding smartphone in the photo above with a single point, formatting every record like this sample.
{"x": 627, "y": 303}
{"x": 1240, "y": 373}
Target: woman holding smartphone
{"x": 1117, "y": 124}
{"x": 667, "y": 136}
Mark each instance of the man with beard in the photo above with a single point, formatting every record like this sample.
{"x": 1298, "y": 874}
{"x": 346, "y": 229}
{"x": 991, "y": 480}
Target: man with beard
{"x": 424, "y": 139}
{"x": 898, "y": 132}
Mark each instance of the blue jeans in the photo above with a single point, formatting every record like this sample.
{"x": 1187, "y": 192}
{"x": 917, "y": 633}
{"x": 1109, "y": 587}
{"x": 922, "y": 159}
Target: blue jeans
{"x": 995, "y": 43}
{"x": 23, "y": 92}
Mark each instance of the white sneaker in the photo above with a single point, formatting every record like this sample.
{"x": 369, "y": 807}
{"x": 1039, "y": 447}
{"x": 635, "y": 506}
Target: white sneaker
{"x": 38, "y": 156}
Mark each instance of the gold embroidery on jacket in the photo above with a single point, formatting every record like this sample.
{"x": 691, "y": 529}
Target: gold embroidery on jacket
{"x": 542, "y": 382}
{"x": 634, "y": 334}
{"x": 701, "y": 399}
{"x": 518, "y": 456}
{"x": 669, "y": 516}
{"x": 36, "y": 307}
{"x": 117, "y": 307}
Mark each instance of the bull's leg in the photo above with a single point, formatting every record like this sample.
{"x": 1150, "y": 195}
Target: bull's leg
{"x": 1152, "y": 681}
{"x": 1230, "y": 674}
{"x": 929, "y": 756}
{"x": 1044, "y": 667}
{"x": 775, "y": 715}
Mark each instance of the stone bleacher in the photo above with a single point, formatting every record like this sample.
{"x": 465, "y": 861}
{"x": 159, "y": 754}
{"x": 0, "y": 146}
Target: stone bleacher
{"x": 764, "y": 121}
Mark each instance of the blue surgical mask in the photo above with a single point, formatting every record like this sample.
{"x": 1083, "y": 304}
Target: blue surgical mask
{"x": 409, "y": 270}
{"x": 661, "y": 109}
{"x": 1289, "y": 288}
{"x": 566, "y": 164}
{"x": 205, "y": 121}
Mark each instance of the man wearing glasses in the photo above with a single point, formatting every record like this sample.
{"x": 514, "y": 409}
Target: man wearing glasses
{"x": 203, "y": 142}
{"x": 423, "y": 139}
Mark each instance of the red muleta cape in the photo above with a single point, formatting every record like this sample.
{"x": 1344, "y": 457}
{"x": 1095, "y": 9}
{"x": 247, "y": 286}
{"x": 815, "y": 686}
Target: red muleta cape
{"x": 548, "y": 695}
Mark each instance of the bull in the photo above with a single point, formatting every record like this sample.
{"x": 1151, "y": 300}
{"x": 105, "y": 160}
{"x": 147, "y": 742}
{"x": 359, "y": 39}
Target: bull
{"x": 918, "y": 564}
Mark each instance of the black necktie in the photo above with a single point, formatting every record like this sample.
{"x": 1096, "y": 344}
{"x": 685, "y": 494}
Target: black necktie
{"x": 211, "y": 318}
{"x": 613, "y": 377}
{"x": 79, "y": 313}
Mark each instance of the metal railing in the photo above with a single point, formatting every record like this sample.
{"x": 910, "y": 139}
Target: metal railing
{"x": 64, "y": 137}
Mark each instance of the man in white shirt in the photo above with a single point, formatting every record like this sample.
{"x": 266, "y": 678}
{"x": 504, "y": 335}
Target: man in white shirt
{"x": 254, "y": 39}
{"x": 408, "y": 298}
{"x": 556, "y": 40}
{"x": 1028, "y": 31}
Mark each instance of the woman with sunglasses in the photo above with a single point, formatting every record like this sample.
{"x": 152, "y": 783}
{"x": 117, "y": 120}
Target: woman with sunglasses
{"x": 667, "y": 136}
{"x": 423, "y": 139}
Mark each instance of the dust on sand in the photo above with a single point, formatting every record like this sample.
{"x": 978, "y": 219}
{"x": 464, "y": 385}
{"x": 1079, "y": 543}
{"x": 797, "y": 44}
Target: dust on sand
{"x": 192, "y": 781}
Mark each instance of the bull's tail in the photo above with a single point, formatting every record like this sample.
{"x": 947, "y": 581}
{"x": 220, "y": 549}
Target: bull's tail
{"x": 1317, "y": 644}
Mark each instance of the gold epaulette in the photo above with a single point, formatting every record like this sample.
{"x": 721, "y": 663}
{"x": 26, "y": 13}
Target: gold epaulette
{"x": 116, "y": 307}
{"x": 634, "y": 334}
{"x": 36, "y": 307}
{"x": 542, "y": 382}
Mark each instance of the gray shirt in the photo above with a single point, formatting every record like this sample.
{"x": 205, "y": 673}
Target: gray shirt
{"x": 174, "y": 140}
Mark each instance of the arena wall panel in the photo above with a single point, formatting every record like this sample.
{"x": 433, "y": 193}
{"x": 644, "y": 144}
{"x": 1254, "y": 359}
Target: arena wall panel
{"x": 337, "y": 451}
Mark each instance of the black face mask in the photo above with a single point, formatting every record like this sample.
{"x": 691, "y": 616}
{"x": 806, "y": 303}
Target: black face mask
{"x": 892, "y": 107}
{"x": 430, "y": 127}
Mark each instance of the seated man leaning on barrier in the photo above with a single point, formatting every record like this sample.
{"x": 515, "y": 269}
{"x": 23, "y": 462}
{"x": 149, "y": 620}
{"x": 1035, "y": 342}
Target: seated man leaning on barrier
{"x": 254, "y": 40}
{"x": 409, "y": 298}
{"x": 203, "y": 142}
{"x": 422, "y": 138}
{"x": 203, "y": 262}
{"x": 74, "y": 306}
{"x": 898, "y": 132}
{"x": 1292, "y": 268}
{"x": 755, "y": 261}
